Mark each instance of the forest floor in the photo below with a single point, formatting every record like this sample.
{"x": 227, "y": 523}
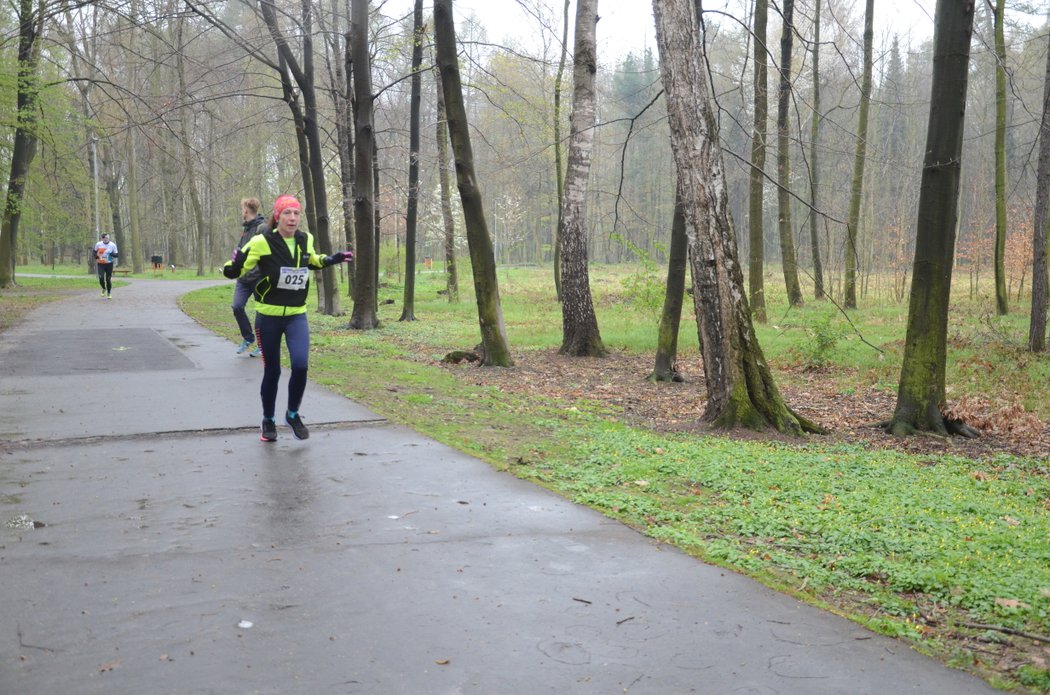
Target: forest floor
{"x": 618, "y": 381}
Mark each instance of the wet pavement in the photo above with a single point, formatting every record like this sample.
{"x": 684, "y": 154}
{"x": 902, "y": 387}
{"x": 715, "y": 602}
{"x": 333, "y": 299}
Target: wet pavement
{"x": 150, "y": 543}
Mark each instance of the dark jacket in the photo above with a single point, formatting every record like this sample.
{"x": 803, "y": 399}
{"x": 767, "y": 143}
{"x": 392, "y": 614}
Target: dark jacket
{"x": 251, "y": 228}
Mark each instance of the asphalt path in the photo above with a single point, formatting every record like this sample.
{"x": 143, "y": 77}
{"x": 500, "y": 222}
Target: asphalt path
{"x": 150, "y": 543}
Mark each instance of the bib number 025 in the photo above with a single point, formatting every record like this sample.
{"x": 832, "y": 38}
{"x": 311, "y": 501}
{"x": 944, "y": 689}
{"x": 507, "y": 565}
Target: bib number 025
{"x": 293, "y": 278}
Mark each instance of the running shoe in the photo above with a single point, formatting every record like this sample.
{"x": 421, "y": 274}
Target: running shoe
{"x": 245, "y": 344}
{"x": 298, "y": 428}
{"x": 269, "y": 430}
{"x": 109, "y": 296}
{"x": 257, "y": 352}
{"x": 103, "y": 293}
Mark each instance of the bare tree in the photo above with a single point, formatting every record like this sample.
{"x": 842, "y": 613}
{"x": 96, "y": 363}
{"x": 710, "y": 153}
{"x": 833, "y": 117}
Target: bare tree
{"x": 580, "y": 335}
{"x": 486, "y": 286}
{"x": 559, "y": 171}
{"x": 740, "y": 386}
{"x": 364, "y": 315}
{"x": 921, "y": 393}
{"x": 30, "y": 26}
{"x": 787, "y": 238}
{"x": 447, "y": 223}
{"x": 1037, "y": 326}
{"x": 859, "y": 160}
{"x": 408, "y": 312}
{"x": 1002, "y": 306}
{"x": 814, "y": 160}
{"x": 759, "y": 142}
{"x": 664, "y": 368}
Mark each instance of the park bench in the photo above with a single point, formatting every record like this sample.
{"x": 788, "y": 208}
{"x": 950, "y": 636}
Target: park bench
{"x": 122, "y": 271}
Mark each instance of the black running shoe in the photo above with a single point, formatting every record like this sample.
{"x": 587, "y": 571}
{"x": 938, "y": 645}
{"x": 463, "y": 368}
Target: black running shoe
{"x": 269, "y": 430}
{"x": 298, "y": 428}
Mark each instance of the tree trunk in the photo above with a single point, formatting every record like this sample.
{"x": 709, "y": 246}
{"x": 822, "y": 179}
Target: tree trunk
{"x": 580, "y": 335}
{"x": 316, "y": 193}
{"x": 756, "y": 195}
{"x": 188, "y": 157}
{"x": 1001, "y": 298}
{"x": 364, "y": 316}
{"x": 112, "y": 182}
{"x": 814, "y": 159}
{"x": 558, "y": 169}
{"x": 451, "y": 276}
{"x": 740, "y": 386}
{"x": 859, "y": 159}
{"x": 486, "y": 287}
{"x": 345, "y": 143}
{"x": 377, "y": 218}
{"x": 30, "y": 26}
{"x": 134, "y": 235}
{"x": 408, "y": 312}
{"x": 787, "y": 238}
{"x": 1037, "y": 326}
{"x": 667, "y": 341}
{"x": 921, "y": 392}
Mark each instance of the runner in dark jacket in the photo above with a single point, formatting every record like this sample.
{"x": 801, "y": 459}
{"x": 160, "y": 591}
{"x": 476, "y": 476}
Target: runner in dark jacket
{"x": 254, "y": 223}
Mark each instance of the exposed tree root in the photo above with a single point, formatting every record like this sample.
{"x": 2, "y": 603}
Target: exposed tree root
{"x": 944, "y": 428}
{"x": 666, "y": 376}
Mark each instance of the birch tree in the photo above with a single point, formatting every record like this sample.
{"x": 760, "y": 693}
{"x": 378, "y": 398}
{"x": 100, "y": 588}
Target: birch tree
{"x": 580, "y": 334}
{"x": 740, "y": 387}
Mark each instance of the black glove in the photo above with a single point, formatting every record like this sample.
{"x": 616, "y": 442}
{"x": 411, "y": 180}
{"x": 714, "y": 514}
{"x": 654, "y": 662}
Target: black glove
{"x": 230, "y": 272}
{"x": 339, "y": 257}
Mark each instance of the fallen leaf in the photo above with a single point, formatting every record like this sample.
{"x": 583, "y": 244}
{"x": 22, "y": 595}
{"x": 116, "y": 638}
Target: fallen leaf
{"x": 1011, "y": 603}
{"x": 441, "y": 662}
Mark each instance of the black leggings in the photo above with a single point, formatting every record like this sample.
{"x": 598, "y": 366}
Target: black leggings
{"x": 296, "y": 333}
{"x": 105, "y": 276}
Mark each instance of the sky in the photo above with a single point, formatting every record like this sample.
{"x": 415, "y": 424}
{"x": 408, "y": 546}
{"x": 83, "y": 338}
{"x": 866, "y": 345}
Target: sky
{"x": 627, "y": 25}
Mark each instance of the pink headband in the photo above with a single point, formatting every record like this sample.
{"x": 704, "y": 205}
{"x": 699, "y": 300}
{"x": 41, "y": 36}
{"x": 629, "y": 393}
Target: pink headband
{"x": 284, "y": 202}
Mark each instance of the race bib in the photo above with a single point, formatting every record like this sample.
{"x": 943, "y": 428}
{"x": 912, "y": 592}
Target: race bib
{"x": 293, "y": 278}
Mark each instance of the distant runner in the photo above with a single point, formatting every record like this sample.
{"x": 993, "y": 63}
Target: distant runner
{"x": 105, "y": 258}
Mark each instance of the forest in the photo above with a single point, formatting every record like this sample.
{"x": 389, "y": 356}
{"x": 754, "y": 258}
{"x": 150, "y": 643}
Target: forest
{"x": 682, "y": 259}
{"x": 151, "y": 120}
{"x": 179, "y": 111}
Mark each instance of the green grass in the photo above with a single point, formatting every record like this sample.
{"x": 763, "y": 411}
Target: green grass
{"x": 181, "y": 272}
{"x": 30, "y": 293}
{"x": 919, "y": 547}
